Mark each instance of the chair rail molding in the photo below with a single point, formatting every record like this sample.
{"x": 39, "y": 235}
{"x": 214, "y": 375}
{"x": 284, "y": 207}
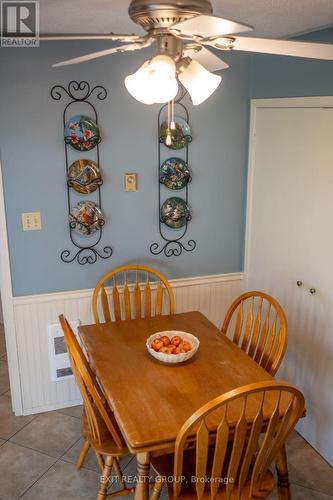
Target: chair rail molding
{"x": 211, "y": 295}
{"x": 84, "y": 293}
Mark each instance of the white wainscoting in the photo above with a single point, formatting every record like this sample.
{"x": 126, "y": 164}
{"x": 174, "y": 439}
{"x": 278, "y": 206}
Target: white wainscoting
{"x": 209, "y": 294}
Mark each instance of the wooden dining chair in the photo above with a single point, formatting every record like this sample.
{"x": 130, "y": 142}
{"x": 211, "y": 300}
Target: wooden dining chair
{"x": 259, "y": 328}
{"x": 133, "y": 292}
{"x": 232, "y": 462}
{"x": 98, "y": 424}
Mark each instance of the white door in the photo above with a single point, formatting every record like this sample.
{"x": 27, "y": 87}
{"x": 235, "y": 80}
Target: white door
{"x": 290, "y": 239}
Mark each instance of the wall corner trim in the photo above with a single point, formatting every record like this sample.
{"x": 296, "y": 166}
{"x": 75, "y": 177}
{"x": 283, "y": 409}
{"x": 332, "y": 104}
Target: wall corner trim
{"x": 8, "y": 312}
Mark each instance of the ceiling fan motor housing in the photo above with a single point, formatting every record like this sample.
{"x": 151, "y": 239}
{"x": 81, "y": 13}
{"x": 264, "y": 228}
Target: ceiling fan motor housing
{"x": 157, "y": 14}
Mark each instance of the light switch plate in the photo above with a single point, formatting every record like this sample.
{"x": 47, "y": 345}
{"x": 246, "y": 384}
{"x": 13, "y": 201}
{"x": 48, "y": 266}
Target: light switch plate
{"x": 130, "y": 182}
{"x": 31, "y": 221}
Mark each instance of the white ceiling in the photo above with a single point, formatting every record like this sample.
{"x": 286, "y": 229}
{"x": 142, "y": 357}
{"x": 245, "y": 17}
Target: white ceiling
{"x": 271, "y": 18}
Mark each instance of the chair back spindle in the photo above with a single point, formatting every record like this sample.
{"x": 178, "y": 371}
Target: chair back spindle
{"x": 130, "y": 292}
{"x": 256, "y": 322}
{"x": 246, "y": 441}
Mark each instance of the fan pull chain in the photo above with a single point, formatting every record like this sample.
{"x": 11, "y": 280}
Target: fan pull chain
{"x": 172, "y": 123}
{"x": 168, "y": 139}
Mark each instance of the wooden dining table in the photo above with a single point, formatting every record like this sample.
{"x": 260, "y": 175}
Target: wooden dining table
{"x": 152, "y": 400}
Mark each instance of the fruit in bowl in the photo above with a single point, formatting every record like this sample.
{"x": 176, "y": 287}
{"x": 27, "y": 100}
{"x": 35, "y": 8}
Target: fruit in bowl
{"x": 176, "y": 345}
{"x": 185, "y": 346}
{"x": 168, "y": 349}
{"x": 172, "y": 346}
{"x": 176, "y": 340}
{"x": 157, "y": 344}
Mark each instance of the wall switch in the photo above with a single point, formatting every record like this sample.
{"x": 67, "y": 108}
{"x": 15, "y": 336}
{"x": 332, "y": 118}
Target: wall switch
{"x": 31, "y": 221}
{"x": 130, "y": 182}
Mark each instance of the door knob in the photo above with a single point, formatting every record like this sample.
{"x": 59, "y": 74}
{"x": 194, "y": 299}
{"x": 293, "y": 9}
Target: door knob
{"x": 312, "y": 291}
{"x": 299, "y": 283}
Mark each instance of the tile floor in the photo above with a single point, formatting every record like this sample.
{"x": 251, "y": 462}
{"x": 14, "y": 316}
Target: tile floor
{"x": 38, "y": 452}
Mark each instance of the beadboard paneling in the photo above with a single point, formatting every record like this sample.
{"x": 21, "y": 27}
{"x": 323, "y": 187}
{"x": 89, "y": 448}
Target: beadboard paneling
{"x": 209, "y": 294}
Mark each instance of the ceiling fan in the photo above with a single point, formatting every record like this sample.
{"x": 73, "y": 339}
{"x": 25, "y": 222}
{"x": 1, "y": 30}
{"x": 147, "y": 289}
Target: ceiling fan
{"x": 181, "y": 30}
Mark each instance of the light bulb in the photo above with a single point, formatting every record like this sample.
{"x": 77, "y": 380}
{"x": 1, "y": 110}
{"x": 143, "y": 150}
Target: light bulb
{"x": 164, "y": 64}
{"x": 199, "y": 82}
{"x": 154, "y": 82}
{"x": 162, "y": 75}
{"x": 163, "y": 87}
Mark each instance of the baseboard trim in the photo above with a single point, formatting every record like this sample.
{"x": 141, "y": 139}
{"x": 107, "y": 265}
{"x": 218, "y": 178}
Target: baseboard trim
{"x": 52, "y": 407}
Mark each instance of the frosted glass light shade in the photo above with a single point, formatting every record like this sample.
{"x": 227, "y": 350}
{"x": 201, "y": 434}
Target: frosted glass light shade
{"x": 136, "y": 85}
{"x": 163, "y": 64}
{"x": 163, "y": 88}
{"x": 154, "y": 82}
{"x": 199, "y": 82}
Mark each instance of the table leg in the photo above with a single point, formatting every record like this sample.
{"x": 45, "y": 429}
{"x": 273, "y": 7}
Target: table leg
{"x": 282, "y": 473}
{"x": 142, "y": 485}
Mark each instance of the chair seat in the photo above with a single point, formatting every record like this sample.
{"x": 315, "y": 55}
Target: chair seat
{"x": 164, "y": 466}
{"x": 106, "y": 445}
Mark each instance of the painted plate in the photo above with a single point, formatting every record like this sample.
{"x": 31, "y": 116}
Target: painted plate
{"x": 175, "y": 174}
{"x": 175, "y": 213}
{"x": 84, "y": 176}
{"x": 82, "y": 133}
{"x": 86, "y": 218}
{"x": 180, "y": 136}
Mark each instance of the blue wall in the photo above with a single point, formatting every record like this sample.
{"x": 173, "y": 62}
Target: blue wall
{"x": 274, "y": 76}
{"x": 33, "y": 161}
{"x": 34, "y": 173}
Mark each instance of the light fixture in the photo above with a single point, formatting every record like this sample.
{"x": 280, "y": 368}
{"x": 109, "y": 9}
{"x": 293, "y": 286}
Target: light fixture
{"x": 154, "y": 82}
{"x": 136, "y": 85}
{"x": 199, "y": 82}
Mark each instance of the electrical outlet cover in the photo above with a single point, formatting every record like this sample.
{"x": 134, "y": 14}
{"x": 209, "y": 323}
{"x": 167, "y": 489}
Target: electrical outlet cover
{"x": 31, "y": 221}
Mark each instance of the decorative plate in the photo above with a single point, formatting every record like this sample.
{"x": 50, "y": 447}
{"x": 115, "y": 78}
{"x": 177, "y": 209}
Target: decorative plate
{"x": 86, "y": 218}
{"x": 84, "y": 176}
{"x": 82, "y": 133}
{"x": 174, "y": 173}
{"x": 173, "y": 358}
{"x": 180, "y": 136}
{"x": 175, "y": 213}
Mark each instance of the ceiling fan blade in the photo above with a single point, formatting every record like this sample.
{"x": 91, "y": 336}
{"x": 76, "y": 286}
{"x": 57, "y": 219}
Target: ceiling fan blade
{"x": 310, "y": 50}
{"x": 205, "y": 57}
{"x": 106, "y": 52}
{"x": 208, "y": 26}
{"x": 90, "y": 36}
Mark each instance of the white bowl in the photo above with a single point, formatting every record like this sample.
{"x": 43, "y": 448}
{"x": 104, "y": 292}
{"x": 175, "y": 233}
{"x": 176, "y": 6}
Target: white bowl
{"x": 173, "y": 358}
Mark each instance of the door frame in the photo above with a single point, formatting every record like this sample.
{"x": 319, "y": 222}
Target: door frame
{"x": 289, "y": 103}
{"x": 6, "y": 292}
